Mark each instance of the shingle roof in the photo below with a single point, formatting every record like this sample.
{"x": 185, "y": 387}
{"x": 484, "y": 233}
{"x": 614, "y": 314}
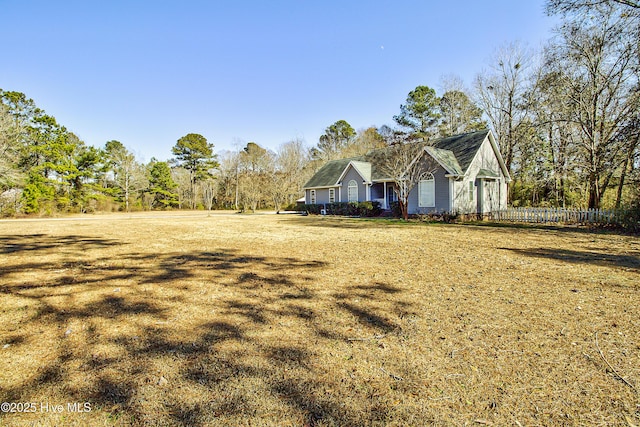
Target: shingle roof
{"x": 456, "y": 154}
{"x": 328, "y": 175}
{"x": 447, "y": 159}
{"x": 364, "y": 168}
{"x": 486, "y": 173}
{"x": 464, "y": 146}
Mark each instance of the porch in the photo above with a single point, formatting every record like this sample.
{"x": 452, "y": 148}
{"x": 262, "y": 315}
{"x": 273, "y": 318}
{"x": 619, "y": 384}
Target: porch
{"x": 382, "y": 192}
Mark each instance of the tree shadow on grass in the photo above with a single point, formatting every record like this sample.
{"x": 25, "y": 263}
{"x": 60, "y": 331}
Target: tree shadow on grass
{"x": 43, "y": 242}
{"x": 127, "y": 341}
{"x": 631, "y": 262}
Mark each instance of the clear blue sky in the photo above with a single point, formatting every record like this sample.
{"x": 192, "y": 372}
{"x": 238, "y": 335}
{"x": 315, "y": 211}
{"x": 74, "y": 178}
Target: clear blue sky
{"x": 148, "y": 72}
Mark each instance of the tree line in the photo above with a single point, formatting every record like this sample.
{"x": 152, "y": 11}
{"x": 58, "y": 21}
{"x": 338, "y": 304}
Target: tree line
{"x": 566, "y": 117}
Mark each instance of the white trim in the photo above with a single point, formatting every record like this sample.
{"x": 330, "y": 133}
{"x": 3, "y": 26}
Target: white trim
{"x": 384, "y": 191}
{"x": 471, "y": 191}
{"x": 496, "y": 152}
{"x": 452, "y": 199}
{"x": 313, "y": 197}
{"x": 428, "y": 182}
{"x": 334, "y": 195}
{"x": 429, "y": 150}
{"x": 320, "y": 188}
{"x": 344, "y": 172}
{"x": 349, "y": 187}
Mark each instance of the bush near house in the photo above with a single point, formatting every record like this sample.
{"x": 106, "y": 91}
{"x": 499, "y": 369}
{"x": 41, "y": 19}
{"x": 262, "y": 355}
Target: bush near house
{"x": 366, "y": 209}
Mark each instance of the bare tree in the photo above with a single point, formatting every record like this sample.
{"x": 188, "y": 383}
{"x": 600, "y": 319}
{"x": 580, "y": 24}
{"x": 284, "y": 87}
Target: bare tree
{"x": 572, "y": 6}
{"x": 9, "y": 149}
{"x": 366, "y": 140}
{"x": 227, "y": 179}
{"x": 255, "y": 177}
{"x": 129, "y": 175}
{"x": 182, "y": 178}
{"x": 597, "y": 60}
{"x": 209, "y": 190}
{"x": 502, "y": 93}
{"x": 404, "y": 163}
{"x": 291, "y": 172}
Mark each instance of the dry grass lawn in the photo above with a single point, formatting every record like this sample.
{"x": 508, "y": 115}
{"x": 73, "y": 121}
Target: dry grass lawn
{"x": 194, "y": 319}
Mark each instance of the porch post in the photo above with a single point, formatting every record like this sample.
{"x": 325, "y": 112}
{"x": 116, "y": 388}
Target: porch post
{"x": 384, "y": 186}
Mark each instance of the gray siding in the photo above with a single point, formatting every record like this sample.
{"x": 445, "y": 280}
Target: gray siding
{"x": 442, "y": 195}
{"x": 322, "y": 195}
{"x": 353, "y": 175}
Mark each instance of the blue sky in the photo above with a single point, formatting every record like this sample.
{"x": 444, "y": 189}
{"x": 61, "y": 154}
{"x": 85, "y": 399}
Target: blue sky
{"x": 148, "y": 72}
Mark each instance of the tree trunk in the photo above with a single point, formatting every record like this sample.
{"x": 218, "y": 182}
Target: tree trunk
{"x": 594, "y": 192}
{"x": 623, "y": 174}
{"x": 404, "y": 209}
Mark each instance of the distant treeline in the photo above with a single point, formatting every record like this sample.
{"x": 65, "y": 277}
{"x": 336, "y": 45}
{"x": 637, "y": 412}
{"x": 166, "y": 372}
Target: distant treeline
{"x": 567, "y": 119}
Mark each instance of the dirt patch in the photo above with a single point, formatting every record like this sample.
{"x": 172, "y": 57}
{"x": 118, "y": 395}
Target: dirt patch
{"x": 285, "y": 320}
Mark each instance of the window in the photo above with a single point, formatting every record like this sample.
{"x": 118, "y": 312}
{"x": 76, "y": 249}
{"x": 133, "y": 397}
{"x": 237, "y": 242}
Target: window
{"x": 312, "y": 194}
{"x": 471, "y": 190}
{"x": 332, "y": 195}
{"x": 427, "y": 191}
{"x": 352, "y": 193}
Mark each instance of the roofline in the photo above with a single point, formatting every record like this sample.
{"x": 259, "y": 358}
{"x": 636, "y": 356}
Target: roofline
{"x": 427, "y": 149}
{"x": 496, "y": 150}
{"x": 322, "y": 186}
{"x": 344, "y": 172}
{"x": 373, "y": 181}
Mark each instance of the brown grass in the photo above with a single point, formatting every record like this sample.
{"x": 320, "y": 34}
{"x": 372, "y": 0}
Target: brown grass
{"x": 196, "y": 319}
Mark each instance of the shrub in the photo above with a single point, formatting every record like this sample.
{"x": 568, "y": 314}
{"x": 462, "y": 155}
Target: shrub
{"x": 395, "y": 209}
{"x": 365, "y": 209}
{"x": 630, "y": 218}
{"x": 446, "y": 217}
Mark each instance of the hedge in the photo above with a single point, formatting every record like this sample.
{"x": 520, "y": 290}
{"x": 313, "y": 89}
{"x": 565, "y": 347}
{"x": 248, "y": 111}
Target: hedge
{"x": 366, "y": 209}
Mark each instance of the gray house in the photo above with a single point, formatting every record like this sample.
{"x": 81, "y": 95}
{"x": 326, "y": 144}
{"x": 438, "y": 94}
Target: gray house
{"x": 467, "y": 175}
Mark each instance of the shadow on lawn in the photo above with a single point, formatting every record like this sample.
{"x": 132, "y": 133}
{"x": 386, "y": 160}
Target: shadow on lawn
{"x": 140, "y": 325}
{"x": 44, "y": 242}
{"x": 631, "y": 262}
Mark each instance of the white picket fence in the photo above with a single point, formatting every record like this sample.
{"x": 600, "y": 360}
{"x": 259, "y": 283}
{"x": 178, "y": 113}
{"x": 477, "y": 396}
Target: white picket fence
{"x": 558, "y": 215}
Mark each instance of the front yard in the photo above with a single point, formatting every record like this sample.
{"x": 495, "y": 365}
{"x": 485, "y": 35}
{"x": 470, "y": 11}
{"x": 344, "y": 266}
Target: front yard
{"x": 197, "y": 319}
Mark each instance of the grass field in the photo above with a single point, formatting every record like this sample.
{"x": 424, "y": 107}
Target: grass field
{"x": 195, "y": 319}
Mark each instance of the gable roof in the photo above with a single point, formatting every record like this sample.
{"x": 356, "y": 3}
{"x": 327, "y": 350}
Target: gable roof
{"x": 447, "y": 159}
{"x": 464, "y": 147}
{"x": 454, "y": 153}
{"x": 363, "y": 168}
{"x": 327, "y": 175}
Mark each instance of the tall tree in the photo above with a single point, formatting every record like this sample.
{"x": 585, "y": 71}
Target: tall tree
{"x": 10, "y": 174}
{"x": 502, "y": 93}
{"x": 421, "y": 114}
{"x": 366, "y": 140}
{"x": 228, "y": 177}
{"x": 161, "y": 186}
{"x": 459, "y": 114}
{"x": 598, "y": 60}
{"x": 572, "y": 6}
{"x": 129, "y": 175}
{"x": 195, "y": 154}
{"x": 401, "y": 163}
{"x": 335, "y": 139}
{"x": 292, "y": 171}
{"x": 256, "y": 165}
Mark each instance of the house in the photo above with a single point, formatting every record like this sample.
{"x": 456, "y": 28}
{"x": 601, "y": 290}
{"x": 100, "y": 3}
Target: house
{"x": 466, "y": 175}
